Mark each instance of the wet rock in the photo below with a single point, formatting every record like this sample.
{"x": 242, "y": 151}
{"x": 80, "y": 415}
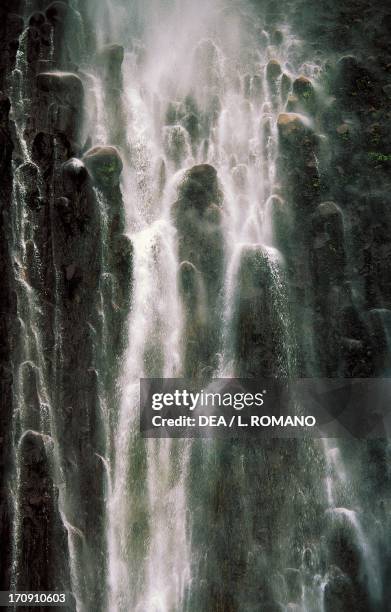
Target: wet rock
{"x": 191, "y": 123}
{"x": 198, "y": 220}
{"x": 293, "y": 104}
{"x": 74, "y": 174}
{"x": 122, "y": 267}
{"x": 176, "y": 144}
{"x": 292, "y": 127}
{"x": 189, "y": 280}
{"x": 57, "y": 12}
{"x": 43, "y": 546}
{"x": 258, "y": 340}
{"x": 67, "y": 87}
{"x": 33, "y": 45}
{"x": 353, "y": 84}
{"x": 246, "y": 85}
{"x": 105, "y": 165}
{"x": 281, "y": 222}
{"x": 110, "y": 57}
{"x": 256, "y": 87}
{"x": 277, "y": 37}
{"x": 378, "y": 322}
{"x": 171, "y": 114}
{"x": 206, "y": 63}
{"x": 303, "y": 89}
{"x": 30, "y": 394}
{"x": 273, "y": 70}
{"x": 293, "y": 583}
{"x": 5, "y": 106}
{"x": 200, "y": 188}
{"x": 338, "y": 592}
{"x": 328, "y": 248}
{"x": 37, "y": 19}
{"x": 285, "y": 86}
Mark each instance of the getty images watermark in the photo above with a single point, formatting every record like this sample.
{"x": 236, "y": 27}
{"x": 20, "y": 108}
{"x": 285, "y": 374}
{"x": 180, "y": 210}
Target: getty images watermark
{"x": 266, "y": 408}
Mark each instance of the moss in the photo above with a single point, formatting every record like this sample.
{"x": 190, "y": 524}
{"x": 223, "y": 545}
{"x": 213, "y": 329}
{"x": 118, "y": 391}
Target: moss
{"x": 379, "y": 157}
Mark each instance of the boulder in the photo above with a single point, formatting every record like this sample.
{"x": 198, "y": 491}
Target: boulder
{"x": 67, "y": 87}
{"x": 302, "y": 86}
{"x": 292, "y": 127}
{"x": 273, "y": 70}
{"x": 200, "y": 188}
{"x": 105, "y": 165}
{"x": 57, "y": 12}
{"x": 74, "y": 174}
{"x": 37, "y": 19}
{"x": 303, "y": 89}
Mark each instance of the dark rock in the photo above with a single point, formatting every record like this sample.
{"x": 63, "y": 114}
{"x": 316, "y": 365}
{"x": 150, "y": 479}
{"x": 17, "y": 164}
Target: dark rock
{"x": 277, "y": 37}
{"x": 44, "y": 543}
{"x": 294, "y": 583}
{"x": 105, "y": 165}
{"x": 378, "y": 322}
{"x": 197, "y": 218}
{"x": 293, "y": 128}
{"x": 303, "y": 89}
{"x": 338, "y": 592}
{"x": 353, "y": 84}
{"x": 37, "y": 19}
{"x": 281, "y": 221}
{"x": 176, "y": 144}
{"x": 189, "y": 280}
{"x": 110, "y": 57}
{"x": 57, "y": 12}
{"x": 74, "y": 174}
{"x": 273, "y": 70}
{"x": 285, "y": 86}
{"x": 200, "y": 187}
{"x": 65, "y": 86}
{"x": 293, "y": 104}
{"x": 328, "y": 247}
{"x": 259, "y": 341}
{"x": 191, "y": 123}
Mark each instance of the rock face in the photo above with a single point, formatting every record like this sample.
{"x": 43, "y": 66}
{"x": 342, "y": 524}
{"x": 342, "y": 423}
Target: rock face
{"x": 43, "y": 539}
{"x": 299, "y": 177}
{"x": 197, "y": 216}
{"x": 259, "y": 340}
{"x": 7, "y": 330}
{"x": 63, "y": 95}
{"x": 73, "y": 264}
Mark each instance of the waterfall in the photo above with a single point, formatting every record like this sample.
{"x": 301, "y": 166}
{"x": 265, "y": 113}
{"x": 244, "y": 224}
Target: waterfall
{"x": 179, "y": 209}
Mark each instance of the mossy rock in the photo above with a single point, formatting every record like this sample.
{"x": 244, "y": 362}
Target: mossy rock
{"x": 104, "y": 164}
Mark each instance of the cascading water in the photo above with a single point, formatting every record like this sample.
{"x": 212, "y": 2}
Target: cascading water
{"x": 205, "y": 259}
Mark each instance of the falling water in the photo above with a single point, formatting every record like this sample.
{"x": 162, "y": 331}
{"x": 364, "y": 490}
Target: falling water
{"x": 201, "y": 85}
